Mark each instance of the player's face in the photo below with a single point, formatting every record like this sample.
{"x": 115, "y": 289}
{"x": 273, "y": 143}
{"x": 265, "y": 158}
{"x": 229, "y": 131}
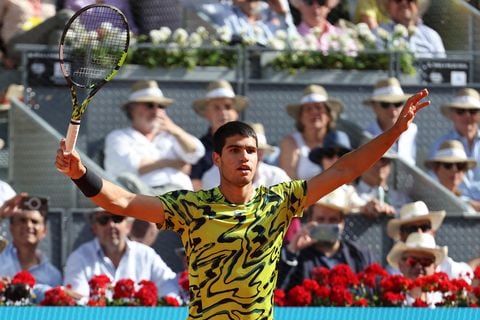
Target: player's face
{"x": 28, "y": 228}
{"x": 238, "y": 160}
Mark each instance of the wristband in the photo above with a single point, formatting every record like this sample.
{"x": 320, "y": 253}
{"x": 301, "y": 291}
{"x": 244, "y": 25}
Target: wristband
{"x": 90, "y": 184}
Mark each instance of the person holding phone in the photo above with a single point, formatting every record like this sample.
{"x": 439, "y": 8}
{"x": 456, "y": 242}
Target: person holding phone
{"x": 319, "y": 242}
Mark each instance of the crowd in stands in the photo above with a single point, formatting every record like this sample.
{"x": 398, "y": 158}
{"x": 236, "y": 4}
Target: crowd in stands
{"x": 154, "y": 155}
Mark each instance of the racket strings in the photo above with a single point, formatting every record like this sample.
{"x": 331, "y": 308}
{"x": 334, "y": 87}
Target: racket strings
{"x": 95, "y": 45}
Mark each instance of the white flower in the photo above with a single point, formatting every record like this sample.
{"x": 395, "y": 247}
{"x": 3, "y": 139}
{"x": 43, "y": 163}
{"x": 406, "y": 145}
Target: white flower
{"x": 400, "y": 31}
{"x": 180, "y": 36}
{"x": 383, "y": 34}
{"x": 277, "y": 44}
{"x": 173, "y": 48}
{"x": 202, "y": 32}
{"x": 224, "y": 34}
{"x": 195, "y": 40}
{"x": 161, "y": 35}
{"x": 281, "y": 34}
{"x": 316, "y": 31}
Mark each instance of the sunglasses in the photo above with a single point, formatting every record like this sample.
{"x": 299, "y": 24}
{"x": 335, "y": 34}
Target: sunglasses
{"x": 413, "y": 261}
{"x": 386, "y": 105}
{"x": 152, "y": 105}
{"x": 333, "y": 152}
{"x": 414, "y": 228}
{"x": 103, "y": 220}
{"x": 460, "y": 111}
{"x": 321, "y": 3}
{"x": 461, "y": 166}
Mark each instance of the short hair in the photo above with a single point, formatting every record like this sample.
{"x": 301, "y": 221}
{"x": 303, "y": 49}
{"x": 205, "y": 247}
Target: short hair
{"x": 230, "y": 129}
{"x": 39, "y": 204}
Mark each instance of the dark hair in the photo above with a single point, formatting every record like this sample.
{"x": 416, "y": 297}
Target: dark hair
{"x": 34, "y": 203}
{"x": 231, "y": 129}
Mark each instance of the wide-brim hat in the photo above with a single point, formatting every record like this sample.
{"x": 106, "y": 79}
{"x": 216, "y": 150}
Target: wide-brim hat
{"x": 422, "y": 6}
{"x": 450, "y": 151}
{"x": 313, "y": 94}
{"x": 338, "y": 199}
{"x": 411, "y": 212}
{"x": 147, "y": 91}
{"x": 220, "y": 89}
{"x": 387, "y": 90}
{"x": 261, "y": 137}
{"x": 337, "y": 140}
{"x": 420, "y": 242}
{"x": 466, "y": 98}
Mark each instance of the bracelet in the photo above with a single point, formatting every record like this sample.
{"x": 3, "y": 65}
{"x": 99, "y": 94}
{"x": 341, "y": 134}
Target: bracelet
{"x": 90, "y": 184}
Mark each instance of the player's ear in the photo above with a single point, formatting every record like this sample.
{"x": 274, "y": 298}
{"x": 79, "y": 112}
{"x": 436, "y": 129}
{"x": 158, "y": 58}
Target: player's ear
{"x": 216, "y": 158}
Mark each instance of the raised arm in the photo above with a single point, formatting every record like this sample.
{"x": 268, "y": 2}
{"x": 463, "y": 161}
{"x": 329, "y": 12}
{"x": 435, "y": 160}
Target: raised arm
{"x": 354, "y": 163}
{"x": 106, "y": 194}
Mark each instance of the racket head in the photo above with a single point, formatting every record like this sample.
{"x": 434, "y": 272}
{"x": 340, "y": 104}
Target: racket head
{"x": 94, "y": 45}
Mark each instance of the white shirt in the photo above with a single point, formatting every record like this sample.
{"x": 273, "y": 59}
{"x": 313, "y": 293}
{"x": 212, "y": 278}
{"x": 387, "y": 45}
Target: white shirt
{"x": 306, "y": 169}
{"x": 139, "y": 262}
{"x": 6, "y": 192}
{"x": 126, "y": 148}
{"x": 266, "y": 175}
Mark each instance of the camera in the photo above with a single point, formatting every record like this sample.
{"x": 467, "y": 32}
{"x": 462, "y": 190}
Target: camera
{"x": 325, "y": 232}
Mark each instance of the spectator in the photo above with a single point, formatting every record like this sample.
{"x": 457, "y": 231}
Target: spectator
{"x": 123, "y": 5}
{"x": 153, "y": 14}
{"x": 418, "y": 256}
{"x": 265, "y": 175}
{"x": 314, "y": 23}
{"x": 373, "y": 186}
{"x": 153, "y": 151}
{"x": 111, "y": 253}
{"x": 336, "y": 144}
{"x": 386, "y": 102}
{"x": 28, "y": 228}
{"x": 422, "y": 40}
{"x": 315, "y": 116}
{"x": 27, "y": 21}
{"x": 367, "y": 11}
{"x": 6, "y": 193}
{"x": 219, "y": 106}
{"x": 464, "y": 113}
{"x": 415, "y": 217}
{"x": 319, "y": 243}
{"x": 449, "y": 166}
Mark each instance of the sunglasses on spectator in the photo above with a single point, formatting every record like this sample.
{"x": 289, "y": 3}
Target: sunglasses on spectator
{"x": 460, "y": 111}
{"x": 386, "y": 105}
{"x": 103, "y": 220}
{"x": 413, "y": 261}
{"x": 333, "y": 152}
{"x": 461, "y": 166}
{"x": 414, "y": 228}
{"x": 319, "y": 2}
{"x": 152, "y": 105}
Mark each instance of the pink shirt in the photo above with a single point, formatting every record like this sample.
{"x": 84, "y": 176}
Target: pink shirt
{"x": 324, "y": 41}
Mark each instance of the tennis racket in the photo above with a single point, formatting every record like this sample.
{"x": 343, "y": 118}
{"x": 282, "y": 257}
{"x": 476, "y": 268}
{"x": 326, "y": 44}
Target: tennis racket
{"x": 93, "y": 47}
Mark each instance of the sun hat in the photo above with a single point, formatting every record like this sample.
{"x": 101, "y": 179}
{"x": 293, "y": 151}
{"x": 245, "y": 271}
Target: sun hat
{"x": 147, "y": 91}
{"x": 412, "y": 212}
{"x": 315, "y": 93}
{"x": 420, "y": 242}
{"x": 337, "y": 199}
{"x": 466, "y": 98}
{"x": 450, "y": 151}
{"x": 422, "y": 6}
{"x": 337, "y": 140}
{"x": 219, "y": 89}
{"x": 261, "y": 137}
{"x": 387, "y": 90}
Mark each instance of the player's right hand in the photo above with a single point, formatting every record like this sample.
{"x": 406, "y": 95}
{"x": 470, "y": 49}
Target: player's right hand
{"x": 69, "y": 163}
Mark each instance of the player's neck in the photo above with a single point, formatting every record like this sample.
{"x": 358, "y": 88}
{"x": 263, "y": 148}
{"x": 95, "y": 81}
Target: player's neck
{"x": 235, "y": 194}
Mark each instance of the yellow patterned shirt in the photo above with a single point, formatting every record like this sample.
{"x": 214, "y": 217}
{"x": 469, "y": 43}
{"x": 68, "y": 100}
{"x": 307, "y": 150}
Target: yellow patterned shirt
{"x": 233, "y": 249}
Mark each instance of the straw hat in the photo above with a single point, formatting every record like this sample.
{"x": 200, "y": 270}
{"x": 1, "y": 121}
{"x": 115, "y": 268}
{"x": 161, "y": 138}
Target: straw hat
{"x": 422, "y": 6}
{"x": 338, "y": 140}
{"x": 387, "y": 90}
{"x": 261, "y": 137}
{"x": 466, "y": 98}
{"x": 220, "y": 89}
{"x": 337, "y": 199}
{"x": 412, "y": 212}
{"x": 147, "y": 91}
{"x": 314, "y": 93}
{"x": 450, "y": 151}
{"x": 420, "y": 242}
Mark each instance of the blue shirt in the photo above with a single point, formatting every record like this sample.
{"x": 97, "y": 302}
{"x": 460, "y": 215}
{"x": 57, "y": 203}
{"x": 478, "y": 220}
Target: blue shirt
{"x": 46, "y": 275}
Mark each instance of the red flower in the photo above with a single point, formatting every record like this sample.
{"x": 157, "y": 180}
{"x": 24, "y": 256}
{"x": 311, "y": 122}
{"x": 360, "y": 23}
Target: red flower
{"x": 2, "y": 287}
{"x": 124, "y": 289}
{"x": 371, "y": 275}
{"x": 320, "y": 274}
{"x": 24, "y": 277}
{"x": 147, "y": 295}
{"x": 279, "y": 297}
{"x": 340, "y": 296}
{"x": 395, "y": 283}
{"x": 183, "y": 281}
{"x": 476, "y": 273}
{"x": 171, "y": 301}
{"x": 99, "y": 285}
{"x": 310, "y": 285}
{"x": 391, "y": 298}
{"x": 298, "y": 296}
{"x": 342, "y": 276}
{"x": 362, "y": 302}
{"x": 419, "y": 303}
{"x": 57, "y": 297}
{"x": 97, "y": 303}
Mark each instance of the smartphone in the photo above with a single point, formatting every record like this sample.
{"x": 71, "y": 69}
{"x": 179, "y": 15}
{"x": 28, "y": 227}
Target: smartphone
{"x": 325, "y": 232}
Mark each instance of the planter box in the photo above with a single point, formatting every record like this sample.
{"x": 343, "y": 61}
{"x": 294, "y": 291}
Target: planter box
{"x": 137, "y": 72}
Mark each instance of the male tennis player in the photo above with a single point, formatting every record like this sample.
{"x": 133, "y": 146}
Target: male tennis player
{"x": 233, "y": 233}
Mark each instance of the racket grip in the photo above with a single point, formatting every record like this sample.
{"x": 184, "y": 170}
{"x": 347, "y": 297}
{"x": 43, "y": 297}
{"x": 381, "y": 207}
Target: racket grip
{"x": 72, "y": 134}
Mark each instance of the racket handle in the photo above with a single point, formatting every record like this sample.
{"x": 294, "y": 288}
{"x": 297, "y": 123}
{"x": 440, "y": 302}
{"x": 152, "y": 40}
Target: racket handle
{"x": 72, "y": 134}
